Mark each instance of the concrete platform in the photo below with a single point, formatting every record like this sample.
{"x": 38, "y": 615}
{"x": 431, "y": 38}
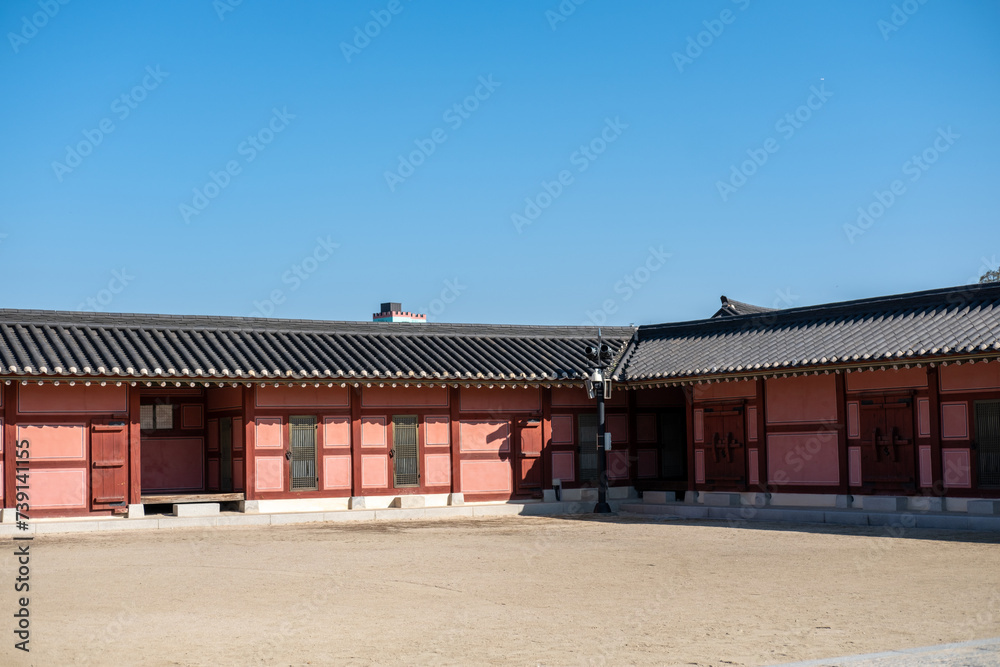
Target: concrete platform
{"x": 228, "y": 519}
{"x": 196, "y": 509}
{"x": 821, "y": 515}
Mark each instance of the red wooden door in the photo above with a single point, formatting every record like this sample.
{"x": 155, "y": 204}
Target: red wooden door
{"x": 108, "y": 464}
{"x": 887, "y": 457}
{"x": 725, "y": 452}
{"x": 529, "y": 456}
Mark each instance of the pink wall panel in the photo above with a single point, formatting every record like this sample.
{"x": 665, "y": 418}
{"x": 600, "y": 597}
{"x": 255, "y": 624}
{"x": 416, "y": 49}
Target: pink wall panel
{"x": 437, "y": 430}
{"x": 1, "y": 478}
{"x": 753, "y": 465}
{"x": 500, "y": 400}
{"x": 854, "y": 466}
{"x": 486, "y": 476}
{"x": 336, "y": 472}
{"x": 564, "y": 466}
{"x": 923, "y": 418}
{"x": 887, "y": 379}
{"x": 59, "y": 488}
{"x": 238, "y": 475}
{"x": 336, "y": 431}
{"x": 224, "y": 398}
{"x": 269, "y": 434}
{"x": 491, "y": 435}
{"x": 808, "y": 398}
{"x": 55, "y": 442}
{"x": 955, "y": 421}
{"x": 646, "y": 463}
{"x": 33, "y": 398}
{"x": 270, "y": 473}
{"x": 618, "y": 464}
{"x": 571, "y": 397}
{"x": 617, "y": 425}
{"x": 853, "y": 419}
{"x": 373, "y": 432}
{"x": 404, "y": 397}
{"x": 741, "y": 389}
{"x": 238, "y": 434}
{"x": 699, "y": 466}
{"x": 562, "y": 430}
{"x": 309, "y": 396}
{"x": 375, "y": 471}
{"x": 437, "y": 469}
{"x": 699, "y": 425}
{"x": 924, "y": 462}
{"x": 752, "y": 423}
{"x": 192, "y": 416}
{"x": 803, "y": 458}
{"x": 970, "y": 377}
{"x": 213, "y": 435}
{"x": 172, "y": 464}
{"x": 645, "y": 426}
{"x": 213, "y": 475}
{"x": 957, "y": 468}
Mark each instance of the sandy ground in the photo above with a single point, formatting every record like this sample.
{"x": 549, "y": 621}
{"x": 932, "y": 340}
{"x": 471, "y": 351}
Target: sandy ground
{"x": 526, "y": 591}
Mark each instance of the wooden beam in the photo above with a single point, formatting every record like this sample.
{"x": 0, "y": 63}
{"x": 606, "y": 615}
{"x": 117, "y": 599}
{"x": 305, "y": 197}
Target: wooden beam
{"x": 191, "y": 498}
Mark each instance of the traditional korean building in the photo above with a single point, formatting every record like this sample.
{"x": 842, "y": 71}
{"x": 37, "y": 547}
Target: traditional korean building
{"x": 896, "y": 396}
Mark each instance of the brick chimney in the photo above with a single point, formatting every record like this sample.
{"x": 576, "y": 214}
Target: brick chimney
{"x": 393, "y": 312}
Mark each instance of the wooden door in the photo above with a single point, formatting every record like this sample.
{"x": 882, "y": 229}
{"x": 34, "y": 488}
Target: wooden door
{"x": 108, "y": 464}
{"x": 725, "y": 451}
{"x": 529, "y": 456}
{"x": 673, "y": 445}
{"x": 887, "y": 457}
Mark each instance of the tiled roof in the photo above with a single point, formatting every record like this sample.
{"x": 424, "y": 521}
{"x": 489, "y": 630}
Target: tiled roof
{"x": 732, "y": 307}
{"x": 903, "y": 328}
{"x": 71, "y": 344}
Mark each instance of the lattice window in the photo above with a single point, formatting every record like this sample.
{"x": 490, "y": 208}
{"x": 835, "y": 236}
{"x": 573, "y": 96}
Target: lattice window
{"x": 302, "y": 437}
{"x": 406, "y": 471}
{"x": 988, "y": 442}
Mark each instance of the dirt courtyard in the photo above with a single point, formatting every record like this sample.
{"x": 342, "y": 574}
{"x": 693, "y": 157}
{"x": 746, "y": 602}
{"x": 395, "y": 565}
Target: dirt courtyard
{"x": 524, "y": 591}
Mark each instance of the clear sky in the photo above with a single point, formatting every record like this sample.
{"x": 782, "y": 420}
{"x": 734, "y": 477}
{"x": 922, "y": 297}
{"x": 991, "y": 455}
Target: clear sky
{"x": 503, "y": 161}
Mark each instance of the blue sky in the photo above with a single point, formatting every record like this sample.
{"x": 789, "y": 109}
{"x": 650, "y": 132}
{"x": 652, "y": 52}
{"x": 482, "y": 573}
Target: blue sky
{"x": 607, "y": 162}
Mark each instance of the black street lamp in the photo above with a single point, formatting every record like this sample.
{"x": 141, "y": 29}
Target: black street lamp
{"x": 599, "y": 357}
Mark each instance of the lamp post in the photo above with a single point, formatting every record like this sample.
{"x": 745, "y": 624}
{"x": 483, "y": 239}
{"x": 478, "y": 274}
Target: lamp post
{"x": 599, "y": 358}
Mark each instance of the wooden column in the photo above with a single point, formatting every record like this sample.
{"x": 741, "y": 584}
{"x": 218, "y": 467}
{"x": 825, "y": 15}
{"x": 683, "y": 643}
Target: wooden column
{"x": 134, "y": 447}
{"x": 249, "y": 443}
{"x": 546, "y": 438}
{"x": 841, "y": 389}
{"x": 9, "y": 442}
{"x": 454, "y": 398}
{"x": 934, "y": 406}
{"x": 355, "y": 398}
